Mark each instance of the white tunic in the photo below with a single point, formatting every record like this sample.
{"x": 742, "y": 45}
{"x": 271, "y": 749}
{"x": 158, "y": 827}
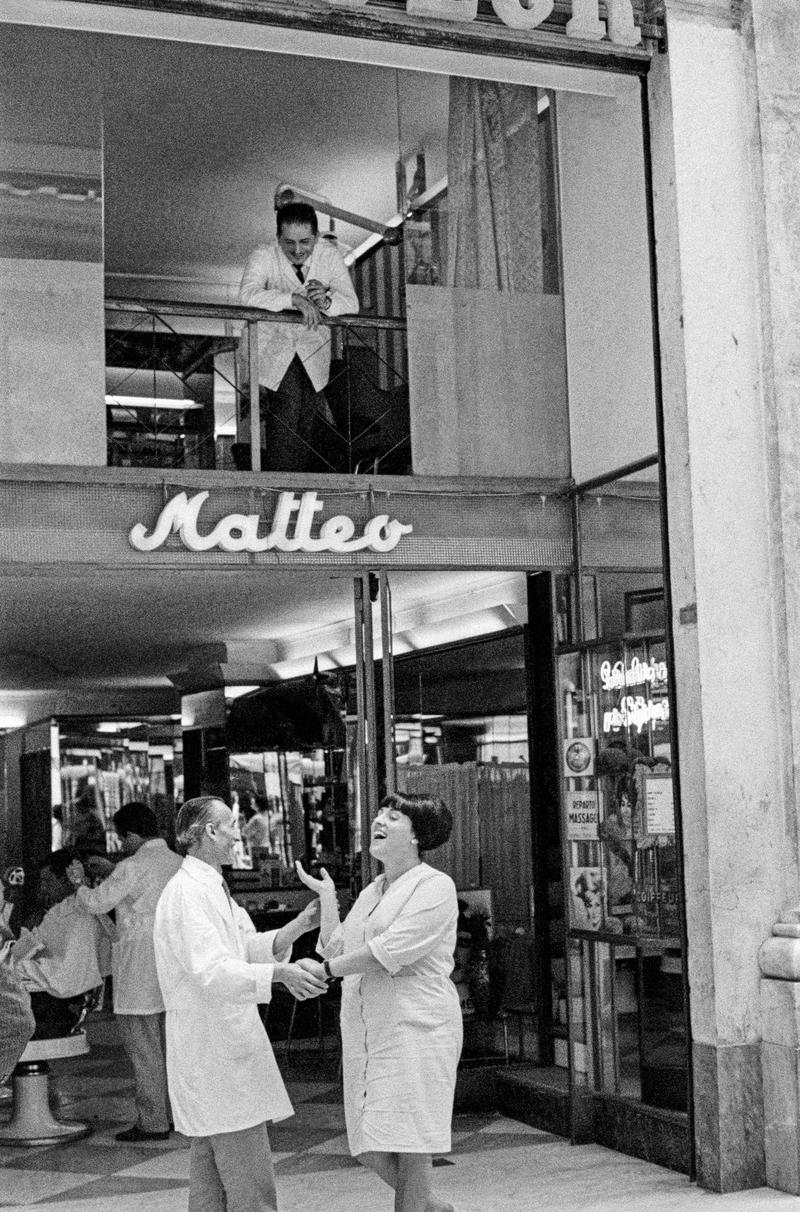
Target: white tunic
{"x": 133, "y": 889}
{"x": 401, "y": 1025}
{"x": 214, "y": 969}
{"x": 269, "y": 281}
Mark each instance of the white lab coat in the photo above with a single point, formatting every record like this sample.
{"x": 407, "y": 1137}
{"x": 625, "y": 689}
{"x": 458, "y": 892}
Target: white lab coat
{"x": 214, "y": 969}
{"x": 401, "y": 1023}
{"x": 133, "y": 889}
{"x": 75, "y": 952}
{"x": 269, "y": 281}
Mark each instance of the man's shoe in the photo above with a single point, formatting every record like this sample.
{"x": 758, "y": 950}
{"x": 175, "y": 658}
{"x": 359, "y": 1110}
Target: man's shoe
{"x": 130, "y": 1135}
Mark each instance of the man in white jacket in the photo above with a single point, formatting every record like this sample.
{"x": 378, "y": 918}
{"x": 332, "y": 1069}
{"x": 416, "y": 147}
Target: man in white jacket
{"x": 133, "y": 889}
{"x": 297, "y": 272}
{"x": 214, "y": 970}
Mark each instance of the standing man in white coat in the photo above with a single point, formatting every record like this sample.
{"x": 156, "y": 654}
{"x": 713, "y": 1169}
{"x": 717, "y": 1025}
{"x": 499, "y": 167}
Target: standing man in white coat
{"x": 133, "y": 889}
{"x": 297, "y": 272}
{"x": 214, "y": 969}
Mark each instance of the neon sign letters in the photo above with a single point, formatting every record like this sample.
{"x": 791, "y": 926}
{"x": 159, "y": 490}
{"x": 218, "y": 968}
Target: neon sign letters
{"x": 638, "y": 673}
{"x": 290, "y": 529}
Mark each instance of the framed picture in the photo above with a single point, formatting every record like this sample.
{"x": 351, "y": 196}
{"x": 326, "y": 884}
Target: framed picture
{"x": 586, "y": 897}
{"x": 644, "y": 610}
{"x": 479, "y": 903}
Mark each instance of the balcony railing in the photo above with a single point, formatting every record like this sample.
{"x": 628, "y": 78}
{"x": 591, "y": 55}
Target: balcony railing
{"x": 182, "y": 389}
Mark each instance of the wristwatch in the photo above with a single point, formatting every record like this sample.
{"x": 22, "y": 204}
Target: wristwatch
{"x": 326, "y": 968}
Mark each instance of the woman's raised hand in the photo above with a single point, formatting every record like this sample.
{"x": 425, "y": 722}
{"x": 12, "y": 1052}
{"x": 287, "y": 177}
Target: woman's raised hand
{"x": 321, "y": 886}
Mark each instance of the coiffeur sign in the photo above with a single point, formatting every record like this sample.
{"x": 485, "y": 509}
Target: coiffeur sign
{"x": 240, "y": 531}
{"x": 529, "y": 14}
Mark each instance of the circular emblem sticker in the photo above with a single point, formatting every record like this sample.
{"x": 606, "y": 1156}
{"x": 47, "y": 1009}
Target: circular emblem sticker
{"x": 578, "y": 756}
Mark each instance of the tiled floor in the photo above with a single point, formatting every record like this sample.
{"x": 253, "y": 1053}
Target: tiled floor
{"x": 497, "y": 1165}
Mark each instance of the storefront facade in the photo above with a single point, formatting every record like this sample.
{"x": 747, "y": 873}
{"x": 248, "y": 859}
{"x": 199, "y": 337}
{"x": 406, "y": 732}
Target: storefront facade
{"x": 658, "y": 589}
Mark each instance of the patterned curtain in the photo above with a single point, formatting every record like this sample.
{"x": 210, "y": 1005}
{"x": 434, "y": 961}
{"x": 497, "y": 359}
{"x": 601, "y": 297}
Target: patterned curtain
{"x": 457, "y": 786}
{"x": 504, "y": 814}
{"x": 494, "y": 190}
{"x": 490, "y": 846}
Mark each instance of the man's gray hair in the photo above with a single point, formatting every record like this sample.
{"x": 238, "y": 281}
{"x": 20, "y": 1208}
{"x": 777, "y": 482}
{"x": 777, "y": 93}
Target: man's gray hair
{"x": 192, "y": 819}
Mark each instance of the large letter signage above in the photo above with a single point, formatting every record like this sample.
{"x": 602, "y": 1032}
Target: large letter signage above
{"x": 585, "y": 22}
{"x": 239, "y": 531}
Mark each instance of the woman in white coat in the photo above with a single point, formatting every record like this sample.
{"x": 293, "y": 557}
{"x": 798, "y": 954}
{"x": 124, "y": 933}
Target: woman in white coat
{"x": 401, "y": 1019}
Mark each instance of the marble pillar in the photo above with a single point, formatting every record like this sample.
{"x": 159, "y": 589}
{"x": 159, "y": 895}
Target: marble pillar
{"x": 727, "y": 396}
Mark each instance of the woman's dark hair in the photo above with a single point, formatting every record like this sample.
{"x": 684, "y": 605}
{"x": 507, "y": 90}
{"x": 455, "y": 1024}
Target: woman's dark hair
{"x": 136, "y": 817}
{"x": 431, "y": 820}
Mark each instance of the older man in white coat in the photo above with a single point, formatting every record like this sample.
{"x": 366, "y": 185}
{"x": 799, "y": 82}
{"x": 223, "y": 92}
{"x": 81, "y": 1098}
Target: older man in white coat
{"x": 297, "y": 272}
{"x": 214, "y": 969}
{"x": 133, "y": 889}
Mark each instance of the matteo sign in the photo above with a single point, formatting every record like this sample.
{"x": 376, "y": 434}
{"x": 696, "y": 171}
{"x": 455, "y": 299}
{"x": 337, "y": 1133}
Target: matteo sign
{"x": 290, "y": 528}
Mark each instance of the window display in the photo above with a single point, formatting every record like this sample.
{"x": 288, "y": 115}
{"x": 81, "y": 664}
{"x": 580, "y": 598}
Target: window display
{"x": 627, "y": 1026}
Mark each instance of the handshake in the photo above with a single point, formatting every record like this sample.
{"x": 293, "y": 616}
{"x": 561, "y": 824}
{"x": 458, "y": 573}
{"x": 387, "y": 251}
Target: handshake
{"x": 304, "y": 979}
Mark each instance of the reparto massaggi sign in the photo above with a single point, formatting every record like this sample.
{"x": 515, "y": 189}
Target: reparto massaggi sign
{"x": 290, "y": 528}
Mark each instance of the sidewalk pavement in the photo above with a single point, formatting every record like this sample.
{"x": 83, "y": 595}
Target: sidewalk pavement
{"x": 497, "y": 1164}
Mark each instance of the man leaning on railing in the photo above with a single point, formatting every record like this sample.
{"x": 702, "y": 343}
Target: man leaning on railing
{"x": 297, "y": 272}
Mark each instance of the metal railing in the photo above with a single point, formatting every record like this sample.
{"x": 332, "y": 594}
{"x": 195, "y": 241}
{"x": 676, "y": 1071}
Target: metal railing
{"x": 176, "y": 350}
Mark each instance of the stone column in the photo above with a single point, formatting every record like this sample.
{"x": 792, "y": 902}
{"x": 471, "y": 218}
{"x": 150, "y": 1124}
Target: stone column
{"x": 728, "y": 433}
{"x": 772, "y": 28}
{"x": 780, "y": 1053}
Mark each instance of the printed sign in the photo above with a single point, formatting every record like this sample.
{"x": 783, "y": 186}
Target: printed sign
{"x": 582, "y": 816}
{"x": 579, "y": 757}
{"x": 659, "y": 806}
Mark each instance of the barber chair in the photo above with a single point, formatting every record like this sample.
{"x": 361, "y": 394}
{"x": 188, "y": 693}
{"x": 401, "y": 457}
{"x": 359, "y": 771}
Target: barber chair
{"x": 32, "y": 1122}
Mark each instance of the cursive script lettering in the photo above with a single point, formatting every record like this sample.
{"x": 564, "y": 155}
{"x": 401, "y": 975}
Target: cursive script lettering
{"x": 240, "y": 531}
{"x": 638, "y": 673}
{"x": 635, "y": 711}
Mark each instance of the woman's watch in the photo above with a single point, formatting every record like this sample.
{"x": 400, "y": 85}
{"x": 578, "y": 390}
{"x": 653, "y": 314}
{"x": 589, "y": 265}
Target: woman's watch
{"x": 326, "y": 968}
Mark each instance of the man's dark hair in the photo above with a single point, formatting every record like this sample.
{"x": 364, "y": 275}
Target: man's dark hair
{"x": 57, "y": 862}
{"x": 136, "y": 817}
{"x": 296, "y": 212}
{"x": 431, "y": 820}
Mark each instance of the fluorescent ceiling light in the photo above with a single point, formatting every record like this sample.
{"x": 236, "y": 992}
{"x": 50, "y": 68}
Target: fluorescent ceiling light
{"x": 151, "y": 402}
{"x": 11, "y": 719}
{"x": 235, "y": 692}
{"x": 113, "y": 726}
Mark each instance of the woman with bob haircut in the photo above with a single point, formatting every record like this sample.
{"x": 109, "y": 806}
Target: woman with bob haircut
{"x": 401, "y": 1018}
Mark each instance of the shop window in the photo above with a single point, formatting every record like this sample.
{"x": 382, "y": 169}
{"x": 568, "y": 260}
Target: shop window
{"x": 628, "y": 1034}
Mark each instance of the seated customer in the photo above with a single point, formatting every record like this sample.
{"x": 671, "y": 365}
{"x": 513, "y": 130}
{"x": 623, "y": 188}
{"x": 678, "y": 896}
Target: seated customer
{"x": 63, "y": 957}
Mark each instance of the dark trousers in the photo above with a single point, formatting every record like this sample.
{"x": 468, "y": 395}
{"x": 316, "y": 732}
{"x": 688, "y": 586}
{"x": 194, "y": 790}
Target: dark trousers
{"x": 293, "y": 423}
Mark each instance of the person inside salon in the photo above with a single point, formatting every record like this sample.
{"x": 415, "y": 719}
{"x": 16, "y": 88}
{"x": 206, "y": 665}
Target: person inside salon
{"x": 301, "y": 273}
{"x": 63, "y": 957}
{"x": 132, "y": 889}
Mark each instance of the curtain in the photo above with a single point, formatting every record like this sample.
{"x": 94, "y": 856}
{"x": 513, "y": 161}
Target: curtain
{"x": 490, "y": 846}
{"x": 486, "y": 352}
{"x": 457, "y": 786}
{"x": 504, "y": 815}
{"x": 494, "y": 190}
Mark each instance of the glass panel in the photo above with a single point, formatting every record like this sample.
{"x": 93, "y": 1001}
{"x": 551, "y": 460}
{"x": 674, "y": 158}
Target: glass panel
{"x": 622, "y": 861}
{"x": 479, "y": 197}
{"x": 51, "y": 247}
